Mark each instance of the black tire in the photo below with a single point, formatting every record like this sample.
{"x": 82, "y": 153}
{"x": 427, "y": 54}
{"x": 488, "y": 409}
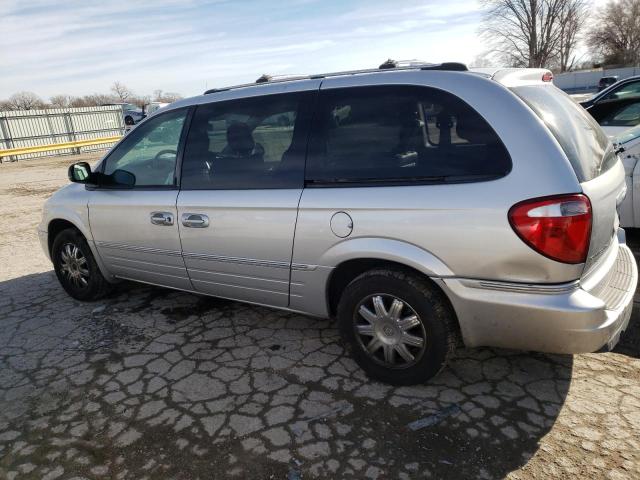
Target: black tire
{"x": 71, "y": 274}
{"x": 435, "y": 324}
{"x": 128, "y": 120}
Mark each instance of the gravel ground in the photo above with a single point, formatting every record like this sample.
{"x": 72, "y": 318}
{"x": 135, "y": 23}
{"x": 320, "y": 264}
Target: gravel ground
{"x": 152, "y": 383}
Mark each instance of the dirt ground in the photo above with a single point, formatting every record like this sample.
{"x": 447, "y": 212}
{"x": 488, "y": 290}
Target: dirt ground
{"x": 151, "y": 383}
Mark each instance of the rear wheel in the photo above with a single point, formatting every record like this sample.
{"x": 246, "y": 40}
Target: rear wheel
{"x": 128, "y": 120}
{"x": 75, "y": 267}
{"x": 398, "y": 327}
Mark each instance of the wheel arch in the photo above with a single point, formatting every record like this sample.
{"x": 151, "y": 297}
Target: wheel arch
{"x": 56, "y": 226}
{"x": 58, "y": 223}
{"x": 349, "y": 270}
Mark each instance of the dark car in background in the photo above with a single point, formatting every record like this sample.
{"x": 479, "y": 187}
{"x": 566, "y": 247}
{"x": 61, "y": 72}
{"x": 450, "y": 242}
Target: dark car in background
{"x": 617, "y": 107}
{"x": 616, "y": 116}
{"x": 628, "y": 87}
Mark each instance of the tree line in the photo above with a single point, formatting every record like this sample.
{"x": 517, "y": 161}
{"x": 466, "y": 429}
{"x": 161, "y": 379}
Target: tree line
{"x": 119, "y": 93}
{"x": 549, "y": 33}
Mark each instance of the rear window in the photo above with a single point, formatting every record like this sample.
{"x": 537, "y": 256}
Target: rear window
{"x": 587, "y": 147}
{"x": 401, "y": 134}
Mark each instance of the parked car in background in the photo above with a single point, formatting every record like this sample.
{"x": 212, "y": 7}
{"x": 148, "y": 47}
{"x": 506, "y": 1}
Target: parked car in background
{"x": 605, "y": 82}
{"x": 423, "y": 207}
{"x": 131, "y": 113}
{"x": 154, "y": 106}
{"x": 627, "y": 146}
{"x": 617, "y": 116}
{"x": 628, "y": 87}
{"x": 617, "y": 108}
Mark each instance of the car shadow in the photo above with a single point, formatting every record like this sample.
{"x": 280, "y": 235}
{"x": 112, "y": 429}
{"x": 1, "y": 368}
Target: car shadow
{"x": 274, "y": 389}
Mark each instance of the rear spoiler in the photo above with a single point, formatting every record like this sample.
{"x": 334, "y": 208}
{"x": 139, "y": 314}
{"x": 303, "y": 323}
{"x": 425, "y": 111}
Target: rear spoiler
{"x": 514, "y": 77}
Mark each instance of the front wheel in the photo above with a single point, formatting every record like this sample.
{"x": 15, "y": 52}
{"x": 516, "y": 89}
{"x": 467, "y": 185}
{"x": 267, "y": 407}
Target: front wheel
{"x": 397, "y": 326}
{"x": 128, "y": 120}
{"x": 75, "y": 267}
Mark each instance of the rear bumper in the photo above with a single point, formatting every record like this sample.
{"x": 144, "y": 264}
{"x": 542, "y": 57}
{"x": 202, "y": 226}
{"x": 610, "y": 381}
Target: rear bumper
{"x": 578, "y": 317}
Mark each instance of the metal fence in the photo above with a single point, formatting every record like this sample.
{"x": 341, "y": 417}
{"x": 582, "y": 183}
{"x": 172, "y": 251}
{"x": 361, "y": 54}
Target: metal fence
{"x": 30, "y": 128}
{"x": 587, "y": 80}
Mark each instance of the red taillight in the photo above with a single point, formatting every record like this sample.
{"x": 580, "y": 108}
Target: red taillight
{"x": 547, "y": 77}
{"x": 557, "y": 227}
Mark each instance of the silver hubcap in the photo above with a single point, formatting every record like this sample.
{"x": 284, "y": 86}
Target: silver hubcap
{"x": 74, "y": 265}
{"x": 390, "y": 331}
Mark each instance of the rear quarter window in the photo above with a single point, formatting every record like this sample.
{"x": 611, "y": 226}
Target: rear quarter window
{"x": 584, "y": 143}
{"x": 401, "y": 134}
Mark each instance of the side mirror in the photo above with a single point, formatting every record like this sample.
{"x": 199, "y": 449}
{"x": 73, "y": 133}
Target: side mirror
{"x": 122, "y": 178}
{"x": 79, "y": 172}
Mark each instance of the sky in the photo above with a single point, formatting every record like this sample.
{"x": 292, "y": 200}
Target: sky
{"x": 79, "y": 47}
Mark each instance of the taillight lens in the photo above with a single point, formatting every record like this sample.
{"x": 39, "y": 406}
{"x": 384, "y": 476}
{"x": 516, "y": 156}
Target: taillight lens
{"x": 557, "y": 227}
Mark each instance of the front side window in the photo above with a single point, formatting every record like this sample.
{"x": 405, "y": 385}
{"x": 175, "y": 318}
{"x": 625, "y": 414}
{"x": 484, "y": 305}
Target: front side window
{"x": 402, "y": 134}
{"x": 249, "y": 143}
{"x": 624, "y": 116}
{"x": 628, "y": 90}
{"x": 150, "y": 150}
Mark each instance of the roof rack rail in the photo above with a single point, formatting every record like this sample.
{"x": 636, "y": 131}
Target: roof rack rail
{"x": 215, "y": 90}
{"x": 422, "y": 65}
{"x": 264, "y": 78}
{"x": 449, "y": 66}
{"x": 389, "y": 64}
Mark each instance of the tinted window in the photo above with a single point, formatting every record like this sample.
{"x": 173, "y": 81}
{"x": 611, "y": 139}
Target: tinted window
{"x": 627, "y": 90}
{"x": 249, "y": 143}
{"x": 149, "y": 151}
{"x": 624, "y": 116}
{"x": 583, "y": 141}
{"x": 399, "y": 134}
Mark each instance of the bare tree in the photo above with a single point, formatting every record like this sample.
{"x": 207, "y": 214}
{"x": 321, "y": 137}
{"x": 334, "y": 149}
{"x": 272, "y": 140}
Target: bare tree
{"x": 165, "y": 97}
{"x": 573, "y": 17}
{"x": 60, "y": 101}
{"x": 77, "y": 102}
{"x": 24, "y": 101}
{"x": 140, "y": 101}
{"x": 169, "y": 97}
{"x": 482, "y": 61}
{"x": 526, "y": 33}
{"x": 92, "y": 100}
{"x": 616, "y": 33}
{"x": 121, "y": 91}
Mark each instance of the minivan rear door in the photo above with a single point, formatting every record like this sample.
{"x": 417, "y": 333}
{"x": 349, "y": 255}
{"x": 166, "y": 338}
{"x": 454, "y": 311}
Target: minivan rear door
{"x": 242, "y": 177}
{"x": 591, "y": 154}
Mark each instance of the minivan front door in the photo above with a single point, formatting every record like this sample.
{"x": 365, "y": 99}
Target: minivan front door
{"x": 241, "y": 182}
{"x": 135, "y": 229}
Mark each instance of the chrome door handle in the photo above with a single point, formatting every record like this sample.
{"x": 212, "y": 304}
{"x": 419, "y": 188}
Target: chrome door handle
{"x": 195, "y": 220}
{"x": 162, "y": 218}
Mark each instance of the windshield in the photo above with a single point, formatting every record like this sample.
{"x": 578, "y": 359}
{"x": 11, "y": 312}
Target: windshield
{"x": 628, "y": 135}
{"x": 587, "y": 147}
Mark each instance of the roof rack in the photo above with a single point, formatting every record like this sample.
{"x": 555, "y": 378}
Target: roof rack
{"x": 387, "y": 65}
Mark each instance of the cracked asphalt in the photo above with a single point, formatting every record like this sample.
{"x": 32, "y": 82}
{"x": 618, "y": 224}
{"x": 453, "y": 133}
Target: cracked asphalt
{"x": 152, "y": 384}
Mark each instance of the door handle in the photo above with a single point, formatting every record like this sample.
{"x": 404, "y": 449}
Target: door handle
{"x": 162, "y": 218}
{"x": 195, "y": 220}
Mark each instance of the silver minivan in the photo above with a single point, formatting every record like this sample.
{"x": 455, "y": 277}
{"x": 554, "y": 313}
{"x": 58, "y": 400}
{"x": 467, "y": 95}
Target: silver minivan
{"x": 422, "y": 207}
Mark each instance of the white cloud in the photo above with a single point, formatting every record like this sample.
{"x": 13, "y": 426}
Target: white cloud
{"x": 80, "y": 47}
